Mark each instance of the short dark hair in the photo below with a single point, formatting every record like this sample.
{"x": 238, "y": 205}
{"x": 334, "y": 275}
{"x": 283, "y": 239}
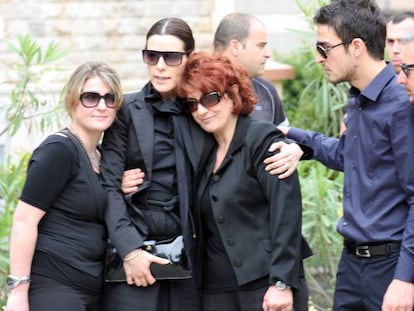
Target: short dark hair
{"x": 401, "y": 16}
{"x": 356, "y": 19}
{"x": 232, "y": 26}
{"x": 176, "y": 27}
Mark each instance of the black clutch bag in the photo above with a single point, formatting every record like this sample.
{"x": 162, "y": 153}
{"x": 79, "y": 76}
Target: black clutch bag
{"x": 172, "y": 249}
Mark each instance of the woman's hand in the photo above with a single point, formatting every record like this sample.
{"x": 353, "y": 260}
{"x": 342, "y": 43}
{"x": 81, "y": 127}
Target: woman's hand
{"x": 278, "y": 300}
{"x": 18, "y": 298}
{"x": 131, "y": 180}
{"x": 137, "y": 267}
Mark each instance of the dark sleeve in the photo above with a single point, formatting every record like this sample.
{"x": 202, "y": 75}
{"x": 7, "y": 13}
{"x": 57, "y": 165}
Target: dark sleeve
{"x": 285, "y": 203}
{"x": 267, "y": 93}
{"x": 121, "y": 230}
{"x": 327, "y": 150}
{"x": 280, "y": 117}
{"x": 51, "y": 167}
{"x": 307, "y": 152}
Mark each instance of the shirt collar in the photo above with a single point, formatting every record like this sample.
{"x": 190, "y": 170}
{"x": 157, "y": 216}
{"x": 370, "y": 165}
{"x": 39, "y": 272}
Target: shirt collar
{"x": 375, "y": 87}
{"x": 158, "y": 105}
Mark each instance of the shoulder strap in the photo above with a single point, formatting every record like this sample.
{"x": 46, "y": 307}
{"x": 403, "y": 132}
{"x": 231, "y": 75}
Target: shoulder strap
{"x": 67, "y": 133}
{"x": 84, "y": 157}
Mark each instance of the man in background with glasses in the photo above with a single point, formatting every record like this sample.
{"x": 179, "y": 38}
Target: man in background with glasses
{"x": 406, "y": 75}
{"x": 376, "y": 269}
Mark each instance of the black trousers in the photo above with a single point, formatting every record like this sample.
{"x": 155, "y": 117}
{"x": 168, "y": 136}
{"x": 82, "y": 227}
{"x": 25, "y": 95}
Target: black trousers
{"x": 179, "y": 295}
{"x": 252, "y": 300}
{"x": 48, "y": 294}
{"x": 362, "y": 282}
{"x": 58, "y": 286}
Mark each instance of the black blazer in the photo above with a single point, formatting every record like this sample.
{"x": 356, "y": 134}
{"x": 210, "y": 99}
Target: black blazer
{"x": 128, "y": 144}
{"x": 258, "y": 215}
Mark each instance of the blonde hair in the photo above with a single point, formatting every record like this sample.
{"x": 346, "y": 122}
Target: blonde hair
{"x": 85, "y": 72}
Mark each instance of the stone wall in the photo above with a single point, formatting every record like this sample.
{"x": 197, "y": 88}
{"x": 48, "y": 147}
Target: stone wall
{"x": 106, "y": 30}
{"x": 102, "y": 30}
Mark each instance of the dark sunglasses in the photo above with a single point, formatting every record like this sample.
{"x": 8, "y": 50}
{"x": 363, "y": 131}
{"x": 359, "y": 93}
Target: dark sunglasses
{"x": 152, "y": 57}
{"x": 92, "y": 99}
{"x": 324, "y": 51}
{"x": 206, "y": 100}
{"x": 406, "y": 68}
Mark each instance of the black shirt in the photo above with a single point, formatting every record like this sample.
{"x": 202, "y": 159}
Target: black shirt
{"x": 69, "y": 191}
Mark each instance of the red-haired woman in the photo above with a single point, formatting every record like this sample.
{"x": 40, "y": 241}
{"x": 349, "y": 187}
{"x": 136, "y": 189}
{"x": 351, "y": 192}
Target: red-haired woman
{"x": 249, "y": 222}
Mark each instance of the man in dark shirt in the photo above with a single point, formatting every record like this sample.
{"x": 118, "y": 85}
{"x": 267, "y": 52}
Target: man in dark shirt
{"x": 398, "y": 24}
{"x": 376, "y": 270}
{"x": 243, "y": 39}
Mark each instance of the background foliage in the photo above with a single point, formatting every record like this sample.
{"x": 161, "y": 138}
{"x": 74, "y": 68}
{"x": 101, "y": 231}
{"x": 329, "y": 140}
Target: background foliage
{"x": 25, "y": 112}
{"x": 29, "y": 109}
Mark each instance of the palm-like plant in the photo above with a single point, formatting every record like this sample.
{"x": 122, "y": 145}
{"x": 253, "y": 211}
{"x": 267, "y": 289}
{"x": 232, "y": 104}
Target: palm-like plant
{"x": 27, "y": 104}
{"x": 25, "y": 109}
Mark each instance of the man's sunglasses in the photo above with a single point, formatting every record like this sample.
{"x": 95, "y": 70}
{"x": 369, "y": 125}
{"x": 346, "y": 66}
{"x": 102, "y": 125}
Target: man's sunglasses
{"x": 207, "y": 100}
{"x": 152, "y": 57}
{"x": 406, "y": 68}
{"x": 92, "y": 99}
{"x": 324, "y": 51}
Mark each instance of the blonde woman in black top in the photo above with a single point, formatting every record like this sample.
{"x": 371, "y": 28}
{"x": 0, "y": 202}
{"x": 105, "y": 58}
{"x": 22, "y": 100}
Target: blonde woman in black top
{"x": 58, "y": 235}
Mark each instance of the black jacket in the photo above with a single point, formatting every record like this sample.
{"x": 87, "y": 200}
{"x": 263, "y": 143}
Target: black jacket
{"x": 257, "y": 214}
{"x": 128, "y": 144}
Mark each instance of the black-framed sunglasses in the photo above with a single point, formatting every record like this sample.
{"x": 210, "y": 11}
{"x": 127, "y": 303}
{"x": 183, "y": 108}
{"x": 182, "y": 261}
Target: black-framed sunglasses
{"x": 324, "y": 51}
{"x": 406, "y": 68}
{"x": 207, "y": 100}
{"x": 92, "y": 99}
{"x": 152, "y": 57}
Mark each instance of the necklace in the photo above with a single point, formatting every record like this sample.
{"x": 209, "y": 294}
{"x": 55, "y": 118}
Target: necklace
{"x": 95, "y": 159}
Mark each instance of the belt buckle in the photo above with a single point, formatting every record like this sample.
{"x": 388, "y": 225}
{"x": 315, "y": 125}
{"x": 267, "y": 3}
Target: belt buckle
{"x": 362, "y": 251}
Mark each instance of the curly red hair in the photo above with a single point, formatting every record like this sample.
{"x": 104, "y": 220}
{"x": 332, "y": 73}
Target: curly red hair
{"x": 216, "y": 73}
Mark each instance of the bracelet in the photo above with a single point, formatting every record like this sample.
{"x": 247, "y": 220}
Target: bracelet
{"x": 130, "y": 257}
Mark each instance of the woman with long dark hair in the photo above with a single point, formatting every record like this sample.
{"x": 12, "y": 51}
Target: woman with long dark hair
{"x": 153, "y": 134}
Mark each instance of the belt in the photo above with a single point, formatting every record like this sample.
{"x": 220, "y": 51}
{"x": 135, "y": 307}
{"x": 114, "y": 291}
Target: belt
{"x": 373, "y": 250}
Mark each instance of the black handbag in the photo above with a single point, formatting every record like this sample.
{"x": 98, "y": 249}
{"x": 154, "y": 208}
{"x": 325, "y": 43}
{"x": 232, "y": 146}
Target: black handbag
{"x": 172, "y": 249}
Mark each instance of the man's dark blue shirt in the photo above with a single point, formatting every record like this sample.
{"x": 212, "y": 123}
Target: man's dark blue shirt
{"x": 376, "y": 154}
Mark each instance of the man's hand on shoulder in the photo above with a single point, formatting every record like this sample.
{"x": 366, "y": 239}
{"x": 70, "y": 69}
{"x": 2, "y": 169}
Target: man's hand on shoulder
{"x": 285, "y": 162}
